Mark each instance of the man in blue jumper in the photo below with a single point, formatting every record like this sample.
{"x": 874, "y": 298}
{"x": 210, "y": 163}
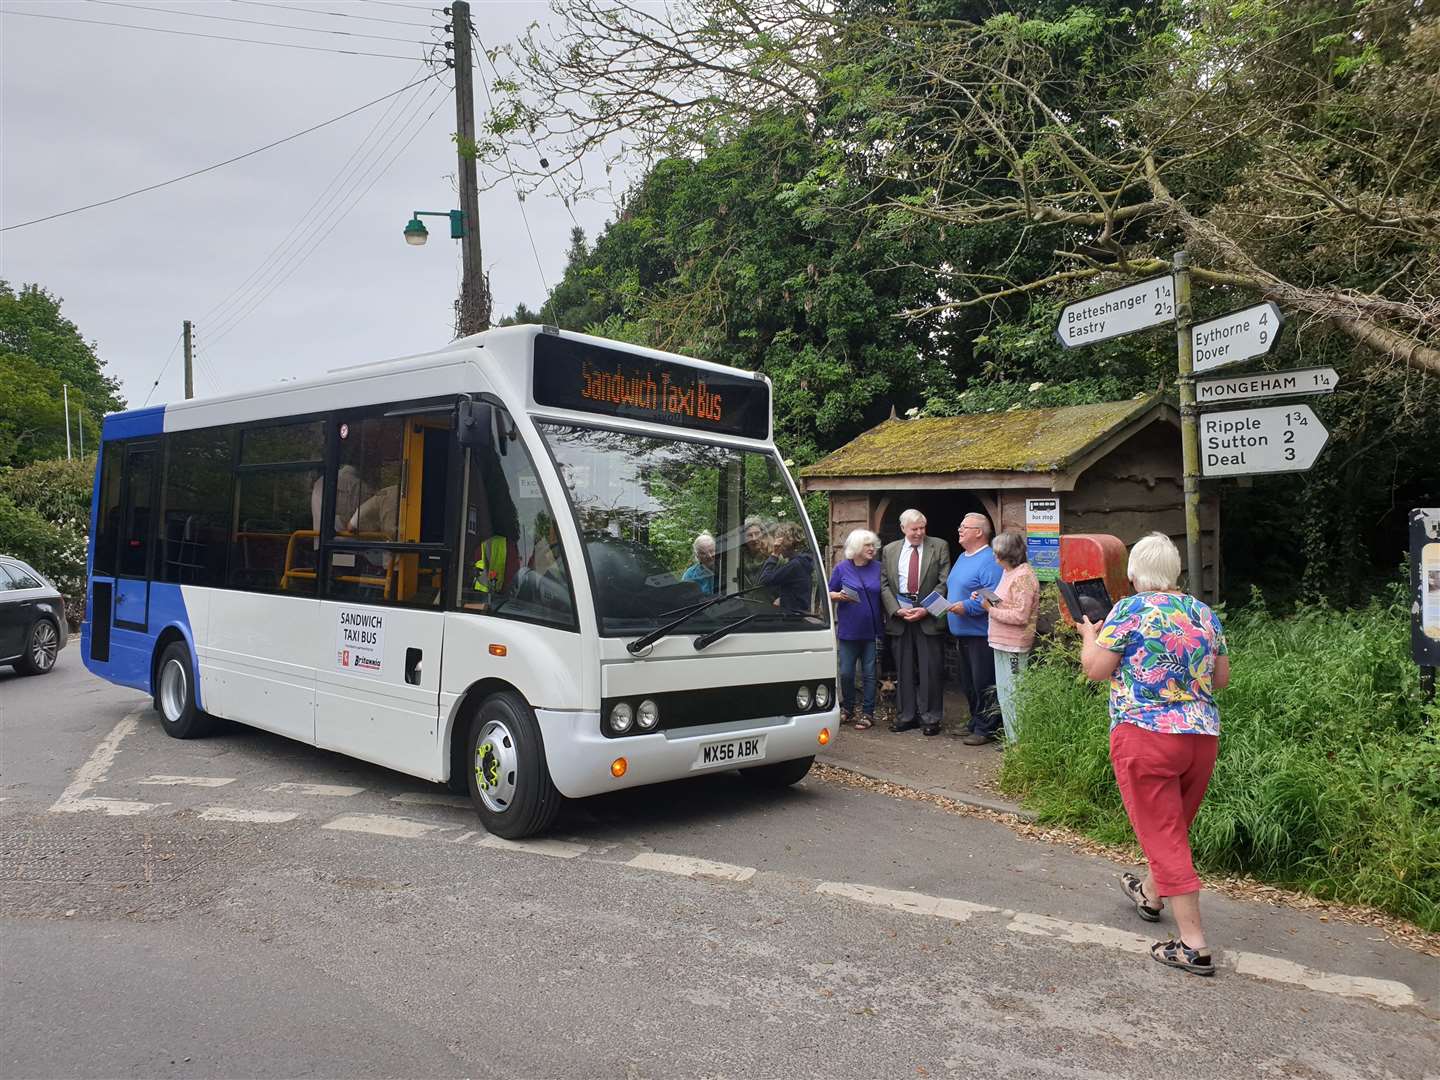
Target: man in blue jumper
{"x": 974, "y": 569}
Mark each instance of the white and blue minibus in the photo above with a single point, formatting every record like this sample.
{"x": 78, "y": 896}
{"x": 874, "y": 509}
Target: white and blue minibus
{"x": 488, "y": 566}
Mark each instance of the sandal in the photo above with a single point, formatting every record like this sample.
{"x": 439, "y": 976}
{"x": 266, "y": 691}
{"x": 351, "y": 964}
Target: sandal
{"x": 866, "y": 721}
{"x": 1135, "y": 890}
{"x": 1175, "y": 953}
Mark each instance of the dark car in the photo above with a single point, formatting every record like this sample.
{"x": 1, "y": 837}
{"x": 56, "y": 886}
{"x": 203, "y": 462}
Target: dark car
{"x": 32, "y": 619}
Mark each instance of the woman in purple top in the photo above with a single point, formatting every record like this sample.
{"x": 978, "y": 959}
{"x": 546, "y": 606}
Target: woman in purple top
{"x": 859, "y": 621}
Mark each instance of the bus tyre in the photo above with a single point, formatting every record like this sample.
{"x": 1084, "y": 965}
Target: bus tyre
{"x": 505, "y": 761}
{"x": 175, "y": 695}
{"x": 781, "y": 774}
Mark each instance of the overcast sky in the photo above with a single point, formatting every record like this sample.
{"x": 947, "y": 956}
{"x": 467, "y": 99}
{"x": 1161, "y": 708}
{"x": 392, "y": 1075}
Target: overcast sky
{"x": 89, "y": 112}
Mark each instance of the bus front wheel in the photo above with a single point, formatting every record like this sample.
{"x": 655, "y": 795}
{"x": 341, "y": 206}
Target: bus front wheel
{"x": 175, "y": 695}
{"x": 505, "y": 759}
{"x": 781, "y": 774}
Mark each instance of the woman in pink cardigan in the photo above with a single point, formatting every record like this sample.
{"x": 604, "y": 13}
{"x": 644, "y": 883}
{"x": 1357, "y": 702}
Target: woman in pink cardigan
{"x": 1012, "y": 622}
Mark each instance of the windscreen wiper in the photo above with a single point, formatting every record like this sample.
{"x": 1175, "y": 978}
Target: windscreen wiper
{"x": 646, "y": 640}
{"x": 715, "y": 635}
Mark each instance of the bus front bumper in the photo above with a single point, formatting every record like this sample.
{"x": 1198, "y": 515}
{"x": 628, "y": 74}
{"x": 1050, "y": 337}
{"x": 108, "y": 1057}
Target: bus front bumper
{"x": 583, "y": 761}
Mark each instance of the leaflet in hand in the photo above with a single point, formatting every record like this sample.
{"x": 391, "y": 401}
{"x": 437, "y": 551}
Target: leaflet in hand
{"x": 850, "y": 592}
{"x": 935, "y": 603}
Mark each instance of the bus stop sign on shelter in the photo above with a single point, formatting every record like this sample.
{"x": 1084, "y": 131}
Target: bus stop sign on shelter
{"x": 1117, "y": 312}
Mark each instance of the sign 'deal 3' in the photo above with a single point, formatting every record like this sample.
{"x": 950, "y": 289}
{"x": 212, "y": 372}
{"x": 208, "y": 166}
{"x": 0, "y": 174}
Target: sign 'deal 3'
{"x": 1241, "y": 442}
{"x": 1116, "y": 313}
{"x": 1241, "y": 335}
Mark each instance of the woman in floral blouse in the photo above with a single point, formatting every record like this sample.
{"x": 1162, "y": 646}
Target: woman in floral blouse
{"x": 1164, "y": 654}
{"x": 1012, "y": 621}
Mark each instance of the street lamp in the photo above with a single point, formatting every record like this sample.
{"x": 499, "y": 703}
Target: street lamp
{"x": 417, "y": 234}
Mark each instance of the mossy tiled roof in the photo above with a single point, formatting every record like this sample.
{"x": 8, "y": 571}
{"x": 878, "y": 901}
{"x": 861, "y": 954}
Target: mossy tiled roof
{"x": 1022, "y": 440}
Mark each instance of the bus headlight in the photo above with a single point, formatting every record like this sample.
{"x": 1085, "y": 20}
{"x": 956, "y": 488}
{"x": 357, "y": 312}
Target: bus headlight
{"x": 822, "y": 696}
{"x": 648, "y": 715}
{"x": 802, "y": 698}
{"x": 621, "y": 717}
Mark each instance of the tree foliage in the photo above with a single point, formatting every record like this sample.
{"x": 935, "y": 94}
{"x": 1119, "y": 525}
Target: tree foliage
{"x": 41, "y": 352}
{"x": 45, "y": 520}
{"x": 886, "y": 203}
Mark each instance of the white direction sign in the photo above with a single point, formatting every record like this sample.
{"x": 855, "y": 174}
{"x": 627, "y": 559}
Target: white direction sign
{"x": 1264, "y": 384}
{"x": 1286, "y": 438}
{"x": 1241, "y": 335}
{"x": 1118, "y": 312}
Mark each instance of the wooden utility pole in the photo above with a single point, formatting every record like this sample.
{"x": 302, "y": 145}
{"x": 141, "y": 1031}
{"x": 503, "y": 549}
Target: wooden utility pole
{"x": 1189, "y": 432}
{"x": 189, "y": 364}
{"x": 472, "y": 308}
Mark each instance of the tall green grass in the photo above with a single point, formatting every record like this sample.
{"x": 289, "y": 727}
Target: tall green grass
{"x": 1329, "y": 771}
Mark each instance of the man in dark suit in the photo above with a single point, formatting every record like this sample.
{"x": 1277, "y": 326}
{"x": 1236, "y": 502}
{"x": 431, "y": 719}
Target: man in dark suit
{"x": 911, "y": 569}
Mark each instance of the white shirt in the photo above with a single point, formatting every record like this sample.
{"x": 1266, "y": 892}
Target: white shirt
{"x": 904, "y": 570}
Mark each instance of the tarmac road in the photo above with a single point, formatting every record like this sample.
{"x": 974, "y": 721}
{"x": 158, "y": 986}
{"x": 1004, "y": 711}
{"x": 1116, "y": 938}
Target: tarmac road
{"x": 244, "y": 906}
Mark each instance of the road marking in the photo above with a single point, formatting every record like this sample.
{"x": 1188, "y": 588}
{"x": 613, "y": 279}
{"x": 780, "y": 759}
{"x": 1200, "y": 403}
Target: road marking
{"x": 383, "y": 825}
{"x": 1079, "y": 933}
{"x": 912, "y": 902}
{"x": 112, "y": 807}
{"x": 191, "y": 781}
{"x": 254, "y": 817}
{"x": 1274, "y": 969}
{"x": 97, "y": 767}
{"x": 428, "y": 798}
{"x": 338, "y": 791}
{"x": 555, "y": 849}
{"x": 688, "y": 867}
{"x": 1255, "y": 965}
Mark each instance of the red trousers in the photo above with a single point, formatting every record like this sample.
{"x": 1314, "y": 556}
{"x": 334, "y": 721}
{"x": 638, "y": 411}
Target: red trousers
{"x": 1162, "y": 779}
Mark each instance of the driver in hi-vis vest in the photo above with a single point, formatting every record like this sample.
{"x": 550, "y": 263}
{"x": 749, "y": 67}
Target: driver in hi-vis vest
{"x": 492, "y": 529}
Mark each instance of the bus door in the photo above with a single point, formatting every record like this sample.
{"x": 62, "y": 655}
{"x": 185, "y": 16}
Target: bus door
{"x": 120, "y": 635}
{"x": 378, "y": 691}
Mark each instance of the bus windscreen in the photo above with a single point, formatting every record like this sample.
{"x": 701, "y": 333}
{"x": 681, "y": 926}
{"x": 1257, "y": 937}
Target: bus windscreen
{"x": 591, "y": 378}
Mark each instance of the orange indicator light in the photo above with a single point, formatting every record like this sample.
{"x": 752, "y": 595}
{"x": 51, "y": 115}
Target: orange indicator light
{"x": 824, "y": 736}
{"x": 498, "y": 650}
{"x": 618, "y": 767}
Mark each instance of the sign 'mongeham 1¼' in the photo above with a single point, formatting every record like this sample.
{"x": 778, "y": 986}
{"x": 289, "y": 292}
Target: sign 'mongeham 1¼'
{"x": 1117, "y": 312}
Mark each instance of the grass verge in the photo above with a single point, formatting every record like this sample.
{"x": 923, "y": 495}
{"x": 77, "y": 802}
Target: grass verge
{"x": 1329, "y": 773}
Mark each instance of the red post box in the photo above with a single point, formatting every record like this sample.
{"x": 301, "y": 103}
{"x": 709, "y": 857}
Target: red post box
{"x": 1091, "y": 561}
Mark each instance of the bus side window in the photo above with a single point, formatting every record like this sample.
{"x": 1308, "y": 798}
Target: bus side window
{"x": 107, "y": 526}
{"x": 273, "y": 483}
{"x": 513, "y": 561}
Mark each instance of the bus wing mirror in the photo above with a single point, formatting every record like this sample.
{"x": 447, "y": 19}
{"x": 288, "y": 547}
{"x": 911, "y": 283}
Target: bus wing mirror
{"x": 475, "y": 423}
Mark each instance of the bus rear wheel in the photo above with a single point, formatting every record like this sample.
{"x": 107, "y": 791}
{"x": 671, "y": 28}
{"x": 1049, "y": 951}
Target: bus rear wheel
{"x": 175, "y": 695}
{"x": 509, "y": 781}
{"x": 781, "y": 774}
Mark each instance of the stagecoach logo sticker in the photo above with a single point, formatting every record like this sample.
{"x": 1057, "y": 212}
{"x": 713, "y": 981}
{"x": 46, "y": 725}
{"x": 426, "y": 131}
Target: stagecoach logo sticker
{"x": 360, "y": 641}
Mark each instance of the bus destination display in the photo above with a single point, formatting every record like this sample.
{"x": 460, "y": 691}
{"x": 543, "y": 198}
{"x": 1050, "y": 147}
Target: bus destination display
{"x": 590, "y": 378}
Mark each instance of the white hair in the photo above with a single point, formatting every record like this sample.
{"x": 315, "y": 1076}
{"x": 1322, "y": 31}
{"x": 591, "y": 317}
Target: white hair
{"x": 1154, "y": 563}
{"x": 857, "y": 540}
{"x": 703, "y": 540}
{"x": 980, "y": 521}
{"x": 907, "y": 516}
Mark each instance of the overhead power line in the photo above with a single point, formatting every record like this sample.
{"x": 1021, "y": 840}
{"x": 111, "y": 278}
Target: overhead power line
{"x": 164, "y": 367}
{"x": 335, "y": 193}
{"x": 403, "y": 7}
{"x": 253, "y": 22}
{"x": 219, "y": 164}
{"x": 332, "y": 14}
{"x": 294, "y": 263}
{"x": 212, "y": 37}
